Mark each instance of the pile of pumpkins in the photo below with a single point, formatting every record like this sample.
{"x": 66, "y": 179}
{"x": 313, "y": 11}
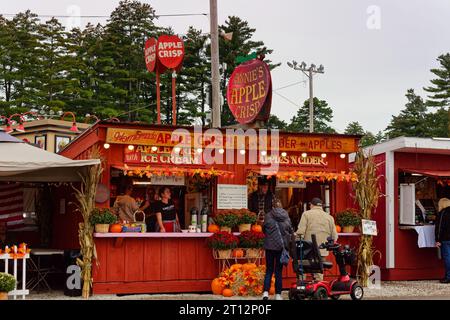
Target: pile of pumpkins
{"x": 218, "y": 288}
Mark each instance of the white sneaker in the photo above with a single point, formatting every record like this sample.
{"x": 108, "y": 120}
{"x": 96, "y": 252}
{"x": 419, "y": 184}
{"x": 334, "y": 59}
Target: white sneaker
{"x": 266, "y": 295}
{"x": 278, "y": 297}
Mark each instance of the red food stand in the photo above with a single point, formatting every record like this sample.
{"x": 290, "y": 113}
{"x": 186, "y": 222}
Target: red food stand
{"x": 414, "y": 175}
{"x": 181, "y": 262}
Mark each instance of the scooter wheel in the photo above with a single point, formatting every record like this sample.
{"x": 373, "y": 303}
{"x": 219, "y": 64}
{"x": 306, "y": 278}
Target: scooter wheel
{"x": 357, "y": 292}
{"x": 320, "y": 294}
{"x": 294, "y": 295}
{"x": 336, "y": 297}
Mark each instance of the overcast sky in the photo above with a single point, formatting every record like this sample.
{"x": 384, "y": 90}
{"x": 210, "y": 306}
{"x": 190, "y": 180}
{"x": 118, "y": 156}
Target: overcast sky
{"x": 373, "y": 51}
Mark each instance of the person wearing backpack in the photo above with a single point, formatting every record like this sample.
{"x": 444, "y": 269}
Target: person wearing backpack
{"x": 278, "y": 231}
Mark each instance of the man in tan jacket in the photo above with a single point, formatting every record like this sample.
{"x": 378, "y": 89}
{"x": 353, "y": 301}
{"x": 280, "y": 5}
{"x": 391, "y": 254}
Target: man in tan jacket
{"x": 318, "y": 222}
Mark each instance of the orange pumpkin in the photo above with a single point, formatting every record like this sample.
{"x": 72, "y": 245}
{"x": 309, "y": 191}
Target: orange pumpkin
{"x": 238, "y": 253}
{"x": 213, "y": 228}
{"x": 338, "y": 229}
{"x": 115, "y": 228}
{"x": 236, "y": 267}
{"x": 216, "y": 287}
{"x": 249, "y": 266}
{"x": 227, "y": 293}
{"x": 256, "y": 228}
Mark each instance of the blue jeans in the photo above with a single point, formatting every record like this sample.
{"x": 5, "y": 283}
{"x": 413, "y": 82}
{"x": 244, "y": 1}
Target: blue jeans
{"x": 273, "y": 265}
{"x": 445, "y": 251}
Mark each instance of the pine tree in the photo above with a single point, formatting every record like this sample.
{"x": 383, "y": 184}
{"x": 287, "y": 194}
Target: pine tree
{"x": 354, "y": 128}
{"x": 194, "y": 79}
{"x": 276, "y": 123}
{"x": 54, "y": 62}
{"x": 412, "y": 121}
{"x": 323, "y": 117}
{"x": 440, "y": 89}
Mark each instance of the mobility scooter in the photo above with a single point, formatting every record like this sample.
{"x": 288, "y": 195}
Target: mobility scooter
{"x": 307, "y": 259}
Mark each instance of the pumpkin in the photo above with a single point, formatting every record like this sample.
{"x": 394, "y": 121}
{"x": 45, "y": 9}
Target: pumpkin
{"x": 216, "y": 287}
{"x": 256, "y": 228}
{"x": 115, "y": 228}
{"x": 236, "y": 267}
{"x": 227, "y": 293}
{"x": 213, "y": 228}
{"x": 238, "y": 253}
{"x": 338, "y": 229}
{"x": 249, "y": 266}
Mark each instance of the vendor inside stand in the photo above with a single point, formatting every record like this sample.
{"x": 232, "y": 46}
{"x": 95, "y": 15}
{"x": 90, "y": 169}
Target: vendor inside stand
{"x": 166, "y": 213}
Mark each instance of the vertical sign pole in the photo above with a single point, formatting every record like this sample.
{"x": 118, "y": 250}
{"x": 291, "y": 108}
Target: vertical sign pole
{"x": 174, "y": 98}
{"x": 215, "y": 72}
{"x": 158, "y": 97}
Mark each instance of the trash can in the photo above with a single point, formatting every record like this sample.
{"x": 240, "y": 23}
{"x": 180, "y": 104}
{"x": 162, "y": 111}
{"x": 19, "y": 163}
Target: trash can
{"x": 73, "y": 283}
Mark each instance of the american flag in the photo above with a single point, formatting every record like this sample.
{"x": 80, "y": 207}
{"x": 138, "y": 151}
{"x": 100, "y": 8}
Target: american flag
{"x": 11, "y": 206}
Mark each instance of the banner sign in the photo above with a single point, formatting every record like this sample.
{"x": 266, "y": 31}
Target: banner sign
{"x": 145, "y": 155}
{"x": 369, "y": 227}
{"x": 230, "y": 196}
{"x": 150, "y": 54}
{"x": 249, "y": 92}
{"x": 170, "y": 51}
{"x": 286, "y": 142}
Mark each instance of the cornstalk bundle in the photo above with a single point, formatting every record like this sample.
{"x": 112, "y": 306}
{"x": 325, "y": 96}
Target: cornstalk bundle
{"x": 367, "y": 193}
{"x": 86, "y": 204}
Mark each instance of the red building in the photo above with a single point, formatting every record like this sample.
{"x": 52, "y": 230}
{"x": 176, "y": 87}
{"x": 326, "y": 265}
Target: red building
{"x": 181, "y": 262}
{"x": 414, "y": 175}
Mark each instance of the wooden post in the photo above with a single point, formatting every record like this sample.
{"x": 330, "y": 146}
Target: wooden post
{"x": 174, "y": 98}
{"x": 158, "y": 97}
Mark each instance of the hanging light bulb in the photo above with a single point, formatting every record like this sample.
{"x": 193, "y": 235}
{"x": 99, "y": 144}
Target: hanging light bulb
{"x": 304, "y": 155}
{"x": 131, "y": 147}
{"x": 324, "y": 155}
{"x": 154, "y": 149}
{"x": 106, "y": 146}
{"x": 284, "y": 154}
{"x": 343, "y": 156}
{"x": 221, "y": 151}
{"x": 264, "y": 153}
{"x": 199, "y": 150}
{"x": 242, "y": 152}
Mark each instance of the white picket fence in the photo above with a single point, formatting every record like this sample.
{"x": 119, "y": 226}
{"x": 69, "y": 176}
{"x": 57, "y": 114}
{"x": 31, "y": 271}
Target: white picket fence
{"x": 17, "y": 292}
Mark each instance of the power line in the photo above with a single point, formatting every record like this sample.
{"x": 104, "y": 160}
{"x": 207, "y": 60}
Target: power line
{"x": 289, "y": 85}
{"x": 287, "y": 99}
{"x": 105, "y": 16}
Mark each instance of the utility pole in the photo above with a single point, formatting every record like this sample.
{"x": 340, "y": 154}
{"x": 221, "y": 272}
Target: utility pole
{"x": 215, "y": 71}
{"x": 311, "y": 71}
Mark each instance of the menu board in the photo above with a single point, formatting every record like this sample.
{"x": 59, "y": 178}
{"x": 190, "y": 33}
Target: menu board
{"x": 230, "y": 196}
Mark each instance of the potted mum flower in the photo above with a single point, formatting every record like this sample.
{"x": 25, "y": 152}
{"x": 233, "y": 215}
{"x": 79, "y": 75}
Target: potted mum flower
{"x": 101, "y": 219}
{"x": 7, "y": 284}
{"x": 223, "y": 242}
{"x": 246, "y": 219}
{"x": 226, "y": 220}
{"x": 348, "y": 220}
{"x": 253, "y": 242}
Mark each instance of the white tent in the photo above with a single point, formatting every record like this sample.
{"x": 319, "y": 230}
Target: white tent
{"x": 22, "y": 162}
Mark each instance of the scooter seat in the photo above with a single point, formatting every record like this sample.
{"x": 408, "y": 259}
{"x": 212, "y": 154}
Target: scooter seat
{"x": 327, "y": 264}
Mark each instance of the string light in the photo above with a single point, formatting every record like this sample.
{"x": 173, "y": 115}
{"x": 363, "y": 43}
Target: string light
{"x": 304, "y": 155}
{"x": 221, "y": 151}
{"x": 131, "y": 147}
{"x": 284, "y": 154}
{"x": 343, "y": 156}
{"x": 106, "y": 146}
{"x": 154, "y": 149}
{"x": 263, "y": 153}
{"x": 324, "y": 155}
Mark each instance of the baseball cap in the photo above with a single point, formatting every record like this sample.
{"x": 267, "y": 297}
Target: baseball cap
{"x": 316, "y": 202}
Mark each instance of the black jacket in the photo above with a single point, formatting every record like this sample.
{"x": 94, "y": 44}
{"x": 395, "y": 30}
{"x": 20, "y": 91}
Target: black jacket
{"x": 277, "y": 240}
{"x": 442, "y": 231}
{"x": 253, "y": 203}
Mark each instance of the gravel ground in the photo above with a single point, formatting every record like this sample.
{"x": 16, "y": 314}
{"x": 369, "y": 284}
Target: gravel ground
{"x": 411, "y": 290}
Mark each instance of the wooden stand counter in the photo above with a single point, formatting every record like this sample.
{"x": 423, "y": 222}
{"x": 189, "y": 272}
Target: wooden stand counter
{"x": 132, "y": 263}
